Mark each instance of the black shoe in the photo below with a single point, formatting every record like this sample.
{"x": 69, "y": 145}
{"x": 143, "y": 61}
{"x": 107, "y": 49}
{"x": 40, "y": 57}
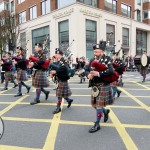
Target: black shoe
{"x": 35, "y": 102}
{"x": 28, "y": 89}
{"x": 106, "y": 115}
{"x": 4, "y": 89}
{"x": 69, "y": 103}
{"x": 19, "y": 94}
{"x": 118, "y": 93}
{"x": 15, "y": 86}
{"x": 57, "y": 110}
{"x": 46, "y": 95}
{"x": 94, "y": 128}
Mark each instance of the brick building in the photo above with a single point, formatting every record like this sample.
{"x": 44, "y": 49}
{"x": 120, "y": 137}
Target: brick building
{"x": 86, "y": 22}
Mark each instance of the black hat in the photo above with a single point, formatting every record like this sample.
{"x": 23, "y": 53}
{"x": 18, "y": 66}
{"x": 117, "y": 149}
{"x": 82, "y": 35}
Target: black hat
{"x": 101, "y": 45}
{"x": 58, "y": 51}
{"x": 39, "y": 45}
{"x": 20, "y": 48}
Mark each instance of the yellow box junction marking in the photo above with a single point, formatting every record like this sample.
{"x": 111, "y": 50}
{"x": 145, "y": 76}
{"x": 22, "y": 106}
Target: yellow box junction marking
{"x": 52, "y": 134}
{"x": 136, "y": 100}
{"x": 130, "y": 145}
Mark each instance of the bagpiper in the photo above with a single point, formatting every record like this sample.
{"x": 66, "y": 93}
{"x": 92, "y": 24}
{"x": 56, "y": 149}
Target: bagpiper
{"x": 63, "y": 89}
{"x": 7, "y": 66}
{"x": 21, "y": 65}
{"x": 101, "y": 89}
{"x": 39, "y": 75}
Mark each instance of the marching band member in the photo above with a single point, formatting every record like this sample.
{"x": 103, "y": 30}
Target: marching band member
{"x": 39, "y": 78}
{"x": 119, "y": 66}
{"x": 80, "y": 67}
{"x": 9, "y": 76}
{"x": 144, "y": 70}
{"x": 21, "y": 65}
{"x": 105, "y": 91}
{"x": 63, "y": 89}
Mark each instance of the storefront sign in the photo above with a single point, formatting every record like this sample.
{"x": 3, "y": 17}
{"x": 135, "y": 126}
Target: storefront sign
{"x": 89, "y": 12}
{"x": 64, "y": 13}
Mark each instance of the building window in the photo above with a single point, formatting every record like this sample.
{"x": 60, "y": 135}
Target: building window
{"x": 12, "y": 6}
{"x": 63, "y": 34}
{"x": 22, "y": 17}
{"x": 126, "y": 10}
{"x": 33, "y": 12}
{"x": 146, "y": 14}
{"x": 125, "y": 37}
{"x": 90, "y": 2}
{"x": 4, "y": 6}
{"x": 138, "y": 2}
{"x": 63, "y": 3}
{"x": 111, "y": 5}
{"x": 139, "y": 15}
{"x": 141, "y": 41}
{"x": 23, "y": 40}
{"x": 144, "y": 1}
{"x": 20, "y": 1}
{"x": 110, "y": 37}
{"x": 46, "y": 7}
{"x": 39, "y": 36}
{"x": 91, "y": 37}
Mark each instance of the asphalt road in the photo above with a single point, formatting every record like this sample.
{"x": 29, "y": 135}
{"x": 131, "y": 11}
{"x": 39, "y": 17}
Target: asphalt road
{"x": 35, "y": 127}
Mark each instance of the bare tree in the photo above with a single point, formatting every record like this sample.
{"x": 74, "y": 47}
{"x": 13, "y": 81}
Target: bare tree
{"x": 9, "y": 30}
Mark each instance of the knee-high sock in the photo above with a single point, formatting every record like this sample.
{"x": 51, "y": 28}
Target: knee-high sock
{"x": 38, "y": 92}
{"x": 59, "y": 102}
{"x": 6, "y": 84}
{"x": 19, "y": 87}
{"x": 14, "y": 82}
{"x": 24, "y": 84}
{"x": 43, "y": 90}
{"x": 114, "y": 91}
{"x": 99, "y": 114}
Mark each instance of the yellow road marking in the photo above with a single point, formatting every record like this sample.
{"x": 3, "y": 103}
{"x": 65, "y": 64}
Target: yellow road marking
{"x": 52, "y": 134}
{"x": 74, "y": 122}
{"x": 136, "y": 100}
{"x": 142, "y": 85}
{"x": 74, "y": 105}
{"x": 6, "y": 147}
{"x": 130, "y": 145}
{"x": 12, "y": 105}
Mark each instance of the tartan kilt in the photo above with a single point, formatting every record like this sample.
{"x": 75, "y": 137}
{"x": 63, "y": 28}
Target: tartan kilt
{"x": 21, "y": 75}
{"x": 143, "y": 70}
{"x": 63, "y": 89}
{"x": 104, "y": 98}
{"x": 39, "y": 79}
{"x": 9, "y": 76}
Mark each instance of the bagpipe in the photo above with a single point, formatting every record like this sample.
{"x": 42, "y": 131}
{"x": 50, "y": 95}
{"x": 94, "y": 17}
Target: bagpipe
{"x": 64, "y": 61}
{"x": 8, "y": 67}
{"x": 101, "y": 67}
{"x": 45, "y": 65}
{"x": 118, "y": 64}
{"x": 18, "y": 58}
{"x": 34, "y": 59}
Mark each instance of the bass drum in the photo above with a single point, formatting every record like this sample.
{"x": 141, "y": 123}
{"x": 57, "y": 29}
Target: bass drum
{"x": 141, "y": 60}
{"x": 144, "y": 60}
